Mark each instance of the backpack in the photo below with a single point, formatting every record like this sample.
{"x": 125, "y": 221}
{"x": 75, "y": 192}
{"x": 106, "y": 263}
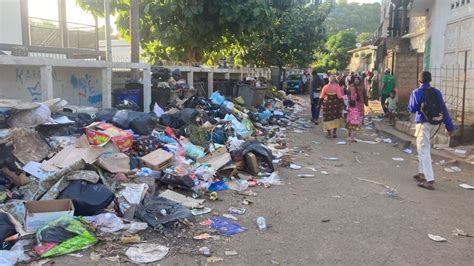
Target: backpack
{"x": 432, "y": 106}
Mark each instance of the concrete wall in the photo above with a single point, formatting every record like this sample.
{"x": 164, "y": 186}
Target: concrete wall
{"x": 79, "y": 86}
{"x": 405, "y": 74}
{"x": 10, "y": 22}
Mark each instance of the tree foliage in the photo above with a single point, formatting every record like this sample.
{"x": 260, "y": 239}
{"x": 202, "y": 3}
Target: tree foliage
{"x": 356, "y": 17}
{"x": 364, "y": 38}
{"x": 335, "y": 56}
{"x": 261, "y": 32}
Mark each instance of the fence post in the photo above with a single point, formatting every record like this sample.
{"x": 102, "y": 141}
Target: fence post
{"x": 106, "y": 87}
{"x": 464, "y": 97}
{"x": 146, "y": 88}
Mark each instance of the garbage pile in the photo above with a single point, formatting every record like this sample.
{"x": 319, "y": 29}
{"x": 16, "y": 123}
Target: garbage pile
{"x": 71, "y": 179}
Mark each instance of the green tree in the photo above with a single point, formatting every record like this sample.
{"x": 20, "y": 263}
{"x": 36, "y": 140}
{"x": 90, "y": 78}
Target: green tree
{"x": 335, "y": 57}
{"x": 260, "y": 32}
{"x": 356, "y": 17}
{"x": 364, "y": 38}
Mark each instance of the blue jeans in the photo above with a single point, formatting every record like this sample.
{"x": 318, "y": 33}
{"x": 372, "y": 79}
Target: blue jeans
{"x": 315, "y": 109}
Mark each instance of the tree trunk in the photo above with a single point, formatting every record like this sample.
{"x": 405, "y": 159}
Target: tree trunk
{"x": 135, "y": 36}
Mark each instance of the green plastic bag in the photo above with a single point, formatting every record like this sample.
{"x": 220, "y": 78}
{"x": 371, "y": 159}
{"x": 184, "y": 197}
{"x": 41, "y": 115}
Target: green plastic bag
{"x": 82, "y": 239}
{"x": 248, "y": 125}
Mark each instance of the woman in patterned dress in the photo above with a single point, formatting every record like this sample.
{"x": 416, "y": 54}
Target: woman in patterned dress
{"x": 331, "y": 101}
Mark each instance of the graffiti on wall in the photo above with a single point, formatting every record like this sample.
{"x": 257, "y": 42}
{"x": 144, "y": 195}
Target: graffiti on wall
{"x": 78, "y": 88}
{"x": 85, "y": 89}
{"x": 29, "y": 79}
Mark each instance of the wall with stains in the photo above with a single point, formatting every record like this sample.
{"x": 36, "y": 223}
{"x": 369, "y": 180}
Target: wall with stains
{"x": 78, "y": 86}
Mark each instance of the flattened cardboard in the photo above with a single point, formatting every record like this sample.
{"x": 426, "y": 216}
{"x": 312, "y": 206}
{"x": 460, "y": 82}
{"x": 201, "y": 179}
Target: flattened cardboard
{"x": 29, "y": 146}
{"x": 157, "y": 159}
{"x": 115, "y": 162}
{"x": 180, "y": 198}
{"x": 216, "y": 159}
{"x": 40, "y": 213}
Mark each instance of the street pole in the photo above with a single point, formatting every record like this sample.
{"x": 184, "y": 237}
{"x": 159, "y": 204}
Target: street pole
{"x": 108, "y": 31}
{"x": 463, "y": 112}
{"x": 135, "y": 36}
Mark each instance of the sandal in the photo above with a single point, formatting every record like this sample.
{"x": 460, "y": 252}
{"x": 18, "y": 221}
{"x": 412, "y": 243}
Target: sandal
{"x": 419, "y": 177}
{"x": 427, "y": 185}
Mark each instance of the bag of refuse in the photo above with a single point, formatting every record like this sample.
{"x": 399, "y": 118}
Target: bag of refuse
{"x": 14, "y": 255}
{"x": 189, "y": 115}
{"x": 30, "y": 118}
{"x": 218, "y": 135}
{"x": 106, "y": 115}
{"x": 143, "y": 125}
{"x": 176, "y": 74}
{"x": 225, "y": 226}
{"x": 185, "y": 181}
{"x": 161, "y": 73}
{"x": 7, "y": 231}
{"x": 146, "y": 144}
{"x": 217, "y": 98}
{"x": 88, "y": 199}
{"x": 171, "y": 121}
{"x": 156, "y": 211}
{"x": 63, "y": 236}
{"x": 260, "y": 150}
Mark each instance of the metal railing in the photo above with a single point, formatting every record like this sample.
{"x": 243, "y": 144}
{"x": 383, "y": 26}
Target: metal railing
{"x": 48, "y": 33}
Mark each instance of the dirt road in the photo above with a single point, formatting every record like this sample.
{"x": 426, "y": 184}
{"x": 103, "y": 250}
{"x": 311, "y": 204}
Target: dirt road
{"x": 344, "y": 217}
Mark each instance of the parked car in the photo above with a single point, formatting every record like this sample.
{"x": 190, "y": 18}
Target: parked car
{"x": 294, "y": 83}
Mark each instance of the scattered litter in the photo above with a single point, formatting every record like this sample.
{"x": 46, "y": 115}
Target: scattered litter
{"x": 325, "y": 220}
{"x": 205, "y": 251}
{"x": 203, "y": 236}
{"x": 324, "y": 172}
{"x": 387, "y": 140}
{"x": 452, "y": 169}
{"x": 236, "y": 210}
{"x": 408, "y": 151}
{"x": 230, "y": 216}
{"x": 202, "y": 211}
{"x": 146, "y": 252}
{"x": 312, "y": 169}
{"x": 225, "y": 226}
{"x": 341, "y": 143}
{"x": 231, "y": 253}
{"x": 459, "y": 232}
{"x": 306, "y": 175}
{"x": 466, "y": 186}
{"x": 316, "y": 142}
{"x": 261, "y": 223}
{"x": 437, "y": 238}
{"x": 330, "y": 158}
{"x": 295, "y": 166}
{"x": 214, "y": 259}
{"x": 460, "y": 151}
{"x": 398, "y": 159}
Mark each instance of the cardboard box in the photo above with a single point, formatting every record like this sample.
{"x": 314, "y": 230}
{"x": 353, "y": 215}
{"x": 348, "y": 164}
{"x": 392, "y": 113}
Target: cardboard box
{"x": 40, "y": 213}
{"x": 157, "y": 159}
{"x": 100, "y": 133}
{"x": 216, "y": 159}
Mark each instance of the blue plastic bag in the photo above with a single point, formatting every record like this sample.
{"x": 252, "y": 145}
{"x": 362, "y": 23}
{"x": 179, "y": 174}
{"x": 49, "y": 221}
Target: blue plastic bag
{"x": 217, "y": 98}
{"x": 226, "y": 226}
{"x": 218, "y": 186}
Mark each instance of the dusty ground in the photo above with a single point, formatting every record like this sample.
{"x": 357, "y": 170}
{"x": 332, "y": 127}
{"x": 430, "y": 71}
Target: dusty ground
{"x": 365, "y": 225}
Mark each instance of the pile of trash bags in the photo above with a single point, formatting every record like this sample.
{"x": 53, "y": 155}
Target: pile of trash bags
{"x": 69, "y": 175}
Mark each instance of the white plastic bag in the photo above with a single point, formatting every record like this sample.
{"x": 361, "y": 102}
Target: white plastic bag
{"x": 14, "y": 255}
{"x": 158, "y": 110}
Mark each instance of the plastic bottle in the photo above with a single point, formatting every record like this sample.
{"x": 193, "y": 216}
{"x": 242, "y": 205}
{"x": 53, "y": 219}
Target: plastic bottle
{"x": 243, "y": 185}
{"x": 261, "y": 223}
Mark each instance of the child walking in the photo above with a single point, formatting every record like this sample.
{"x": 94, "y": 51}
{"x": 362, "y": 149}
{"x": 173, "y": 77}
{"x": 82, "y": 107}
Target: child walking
{"x": 391, "y": 103}
{"x": 354, "y": 120}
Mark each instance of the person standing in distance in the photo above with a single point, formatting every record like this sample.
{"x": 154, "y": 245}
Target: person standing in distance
{"x": 388, "y": 85}
{"x": 431, "y": 111}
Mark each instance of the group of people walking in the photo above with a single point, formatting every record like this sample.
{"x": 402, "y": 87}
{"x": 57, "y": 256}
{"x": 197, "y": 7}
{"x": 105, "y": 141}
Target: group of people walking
{"x": 343, "y": 101}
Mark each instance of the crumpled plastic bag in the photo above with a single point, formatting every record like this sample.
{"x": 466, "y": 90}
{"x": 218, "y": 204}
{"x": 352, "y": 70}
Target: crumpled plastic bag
{"x": 158, "y": 110}
{"x": 64, "y": 227}
{"x": 130, "y": 194}
{"x": 31, "y": 118}
{"x": 14, "y": 255}
{"x": 146, "y": 253}
{"x": 239, "y": 128}
{"x": 260, "y": 150}
{"x": 111, "y": 223}
{"x": 225, "y": 226}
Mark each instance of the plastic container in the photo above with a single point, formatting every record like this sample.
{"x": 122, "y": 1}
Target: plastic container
{"x": 261, "y": 223}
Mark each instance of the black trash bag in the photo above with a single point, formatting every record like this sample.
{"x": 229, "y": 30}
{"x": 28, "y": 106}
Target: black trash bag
{"x": 81, "y": 120}
{"x": 185, "y": 182}
{"x": 189, "y": 115}
{"x": 176, "y": 74}
{"x": 195, "y": 101}
{"x": 7, "y": 229}
{"x": 288, "y": 103}
{"x": 141, "y": 123}
{"x": 106, "y": 115}
{"x": 160, "y": 73}
{"x": 150, "y": 211}
{"x": 89, "y": 199}
{"x": 260, "y": 150}
{"x": 171, "y": 121}
{"x": 218, "y": 135}
{"x": 56, "y": 234}
{"x": 6, "y": 156}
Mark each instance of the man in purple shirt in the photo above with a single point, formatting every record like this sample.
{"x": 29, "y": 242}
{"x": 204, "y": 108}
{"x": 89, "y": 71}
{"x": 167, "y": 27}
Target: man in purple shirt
{"x": 424, "y": 129}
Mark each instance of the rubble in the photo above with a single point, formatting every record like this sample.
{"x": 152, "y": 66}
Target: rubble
{"x": 113, "y": 175}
